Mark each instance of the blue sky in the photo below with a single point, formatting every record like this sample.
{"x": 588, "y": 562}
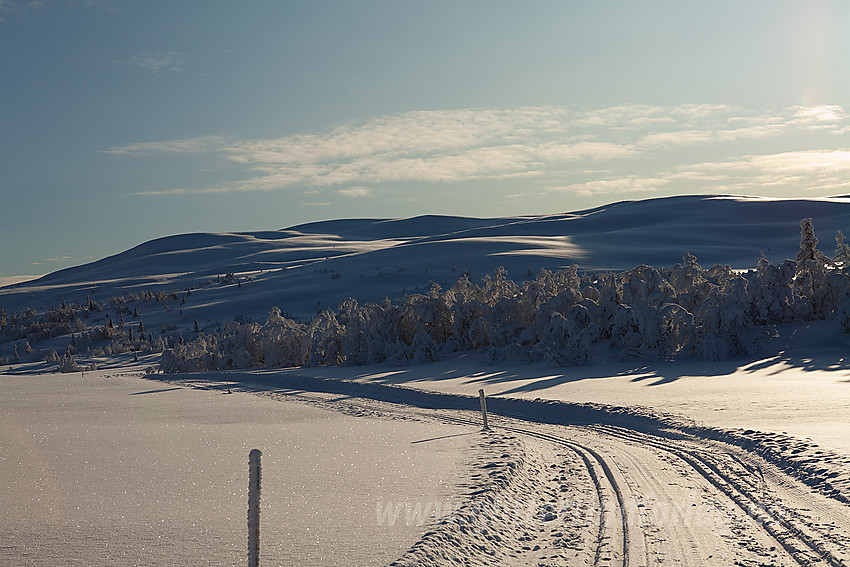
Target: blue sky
{"x": 128, "y": 120}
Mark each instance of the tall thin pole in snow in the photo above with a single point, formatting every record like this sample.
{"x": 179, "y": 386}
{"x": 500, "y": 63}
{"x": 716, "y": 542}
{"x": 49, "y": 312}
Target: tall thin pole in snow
{"x": 483, "y": 408}
{"x": 254, "y": 508}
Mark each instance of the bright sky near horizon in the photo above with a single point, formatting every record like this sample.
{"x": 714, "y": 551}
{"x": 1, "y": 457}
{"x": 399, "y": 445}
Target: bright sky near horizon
{"x": 126, "y": 120}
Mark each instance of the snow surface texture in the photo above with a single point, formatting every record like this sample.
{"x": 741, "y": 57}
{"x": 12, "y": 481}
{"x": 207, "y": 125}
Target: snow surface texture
{"x": 114, "y": 470}
{"x": 600, "y": 486}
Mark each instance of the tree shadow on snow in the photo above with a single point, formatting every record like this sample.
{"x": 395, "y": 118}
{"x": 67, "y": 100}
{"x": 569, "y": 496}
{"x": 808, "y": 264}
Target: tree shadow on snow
{"x": 507, "y": 379}
{"x": 519, "y": 378}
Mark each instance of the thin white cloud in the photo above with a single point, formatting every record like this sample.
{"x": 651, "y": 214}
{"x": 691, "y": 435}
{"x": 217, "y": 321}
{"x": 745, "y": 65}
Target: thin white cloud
{"x": 816, "y": 171}
{"x": 617, "y": 185}
{"x": 60, "y": 258}
{"x": 9, "y": 8}
{"x": 203, "y": 144}
{"x": 725, "y": 127}
{"x": 355, "y": 192}
{"x": 553, "y": 146}
{"x": 157, "y": 62}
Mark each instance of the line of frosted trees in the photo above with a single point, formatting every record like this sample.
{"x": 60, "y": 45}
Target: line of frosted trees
{"x": 561, "y": 317}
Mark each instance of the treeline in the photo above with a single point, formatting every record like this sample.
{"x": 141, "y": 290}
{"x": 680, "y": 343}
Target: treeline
{"x": 89, "y": 328}
{"x": 560, "y": 317}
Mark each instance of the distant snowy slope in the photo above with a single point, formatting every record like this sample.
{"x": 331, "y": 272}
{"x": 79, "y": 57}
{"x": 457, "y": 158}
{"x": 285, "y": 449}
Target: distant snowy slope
{"x": 309, "y": 266}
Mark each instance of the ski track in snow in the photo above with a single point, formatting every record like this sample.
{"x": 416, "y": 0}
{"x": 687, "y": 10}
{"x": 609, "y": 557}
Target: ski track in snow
{"x": 599, "y": 494}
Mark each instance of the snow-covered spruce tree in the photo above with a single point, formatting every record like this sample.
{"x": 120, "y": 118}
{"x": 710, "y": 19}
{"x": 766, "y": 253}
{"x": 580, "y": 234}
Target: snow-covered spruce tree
{"x": 811, "y": 280}
{"x": 843, "y": 312}
{"x": 52, "y": 357}
{"x": 841, "y": 258}
{"x": 68, "y": 365}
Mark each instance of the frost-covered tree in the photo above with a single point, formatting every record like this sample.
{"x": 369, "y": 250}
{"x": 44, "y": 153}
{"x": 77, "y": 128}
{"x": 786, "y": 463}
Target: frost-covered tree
{"x": 565, "y": 339}
{"x": 198, "y": 355}
{"x": 841, "y": 258}
{"x": 325, "y": 340}
{"x": 772, "y": 299}
{"x": 500, "y": 326}
{"x": 427, "y": 314}
{"x": 725, "y": 327}
{"x": 283, "y": 340}
{"x": 811, "y": 281}
{"x": 52, "y": 357}
{"x": 690, "y": 282}
{"x": 498, "y": 286}
{"x": 68, "y": 365}
{"x": 465, "y": 334}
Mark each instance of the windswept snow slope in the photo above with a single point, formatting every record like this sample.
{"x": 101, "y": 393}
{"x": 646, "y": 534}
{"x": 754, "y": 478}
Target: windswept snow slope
{"x": 322, "y": 263}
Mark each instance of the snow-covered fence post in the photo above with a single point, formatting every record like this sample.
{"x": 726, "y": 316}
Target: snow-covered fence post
{"x": 254, "y": 507}
{"x": 483, "y": 408}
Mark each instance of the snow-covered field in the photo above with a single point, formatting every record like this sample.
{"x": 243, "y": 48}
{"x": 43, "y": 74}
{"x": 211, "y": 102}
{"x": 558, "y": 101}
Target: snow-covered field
{"x": 644, "y": 454}
{"x": 112, "y": 469}
{"x": 579, "y": 485}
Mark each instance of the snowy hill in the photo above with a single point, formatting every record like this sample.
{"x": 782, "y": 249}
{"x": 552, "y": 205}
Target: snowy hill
{"x": 305, "y": 266}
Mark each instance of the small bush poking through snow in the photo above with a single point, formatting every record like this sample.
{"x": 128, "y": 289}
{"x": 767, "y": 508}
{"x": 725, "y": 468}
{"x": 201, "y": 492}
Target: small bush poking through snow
{"x": 68, "y": 365}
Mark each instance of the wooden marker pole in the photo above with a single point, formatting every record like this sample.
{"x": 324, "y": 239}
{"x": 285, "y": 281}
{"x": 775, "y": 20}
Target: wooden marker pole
{"x": 483, "y": 408}
{"x": 254, "y": 507}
